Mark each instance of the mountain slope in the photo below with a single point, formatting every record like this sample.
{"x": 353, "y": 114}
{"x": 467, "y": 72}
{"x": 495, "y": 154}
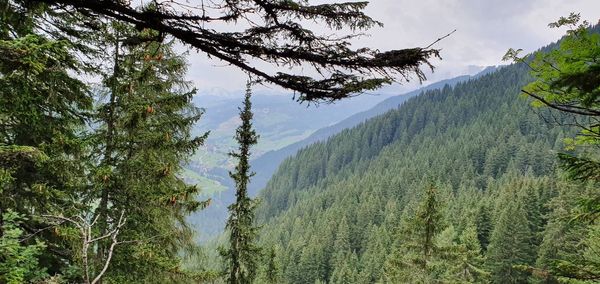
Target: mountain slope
{"x": 333, "y": 209}
{"x": 266, "y": 164}
{"x": 280, "y": 122}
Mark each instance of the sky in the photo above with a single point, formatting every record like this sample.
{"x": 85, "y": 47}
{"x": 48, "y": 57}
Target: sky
{"x": 485, "y": 30}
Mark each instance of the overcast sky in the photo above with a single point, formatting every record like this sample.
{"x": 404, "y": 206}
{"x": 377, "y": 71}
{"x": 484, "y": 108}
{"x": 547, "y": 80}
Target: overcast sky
{"x": 485, "y": 30}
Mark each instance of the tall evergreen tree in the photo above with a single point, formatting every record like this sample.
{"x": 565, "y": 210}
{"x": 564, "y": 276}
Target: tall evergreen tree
{"x": 43, "y": 109}
{"x": 465, "y": 262}
{"x": 412, "y": 259}
{"x": 140, "y": 139}
{"x": 242, "y": 255}
{"x": 271, "y": 269}
{"x": 510, "y": 245}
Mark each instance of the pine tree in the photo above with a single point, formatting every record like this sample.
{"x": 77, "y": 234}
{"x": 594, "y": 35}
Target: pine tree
{"x": 242, "y": 255}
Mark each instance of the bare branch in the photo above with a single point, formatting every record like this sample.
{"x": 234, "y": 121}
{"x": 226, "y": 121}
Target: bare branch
{"x": 440, "y": 39}
{"x": 87, "y": 240}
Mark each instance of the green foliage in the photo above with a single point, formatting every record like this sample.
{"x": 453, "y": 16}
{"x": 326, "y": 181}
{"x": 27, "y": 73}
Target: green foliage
{"x": 415, "y": 257}
{"x": 467, "y": 261}
{"x": 44, "y": 108}
{"x": 271, "y": 269}
{"x": 242, "y": 256}
{"x": 565, "y": 253}
{"x": 510, "y": 245}
{"x": 567, "y": 76}
{"x": 567, "y": 80}
{"x": 18, "y": 256}
{"x": 355, "y": 193}
{"x": 141, "y": 137}
{"x": 67, "y": 152}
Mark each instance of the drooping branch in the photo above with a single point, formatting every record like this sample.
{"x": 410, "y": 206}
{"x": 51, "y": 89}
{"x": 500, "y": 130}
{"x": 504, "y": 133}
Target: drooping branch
{"x": 278, "y": 38}
{"x": 564, "y": 107}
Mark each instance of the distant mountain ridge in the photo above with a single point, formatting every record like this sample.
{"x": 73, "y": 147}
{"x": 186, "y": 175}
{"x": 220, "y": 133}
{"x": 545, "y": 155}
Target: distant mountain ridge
{"x": 267, "y": 164}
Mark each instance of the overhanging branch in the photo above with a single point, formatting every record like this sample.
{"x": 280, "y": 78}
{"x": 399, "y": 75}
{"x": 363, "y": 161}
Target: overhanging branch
{"x": 280, "y": 40}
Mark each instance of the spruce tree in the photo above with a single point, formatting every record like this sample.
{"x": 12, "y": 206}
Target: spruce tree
{"x": 141, "y": 138}
{"x": 412, "y": 259}
{"x": 465, "y": 262}
{"x": 242, "y": 255}
{"x": 43, "y": 108}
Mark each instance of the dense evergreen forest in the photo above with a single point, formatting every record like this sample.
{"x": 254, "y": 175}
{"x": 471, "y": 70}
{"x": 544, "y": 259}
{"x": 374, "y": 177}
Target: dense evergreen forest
{"x": 338, "y": 211}
{"x": 457, "y": 185}
{"x": 265, "y": 165}
{"x": 490, "y": 180}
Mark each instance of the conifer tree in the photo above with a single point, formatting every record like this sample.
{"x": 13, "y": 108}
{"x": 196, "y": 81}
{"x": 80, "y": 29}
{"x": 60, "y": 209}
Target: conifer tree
{"x": 140, "y": 140}
{"x": 465, "y": 260}
{"x": 242, "y": 255}
{"x": 411, "y": 260}
{"x": 43, "y": 108}
{"x": 510, "y": 245}
{"x": 271, "y": 270}
{"x": 484, "y": 226}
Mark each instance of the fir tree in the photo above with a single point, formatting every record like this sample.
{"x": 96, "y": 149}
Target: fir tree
{"x": 242, "y": 255}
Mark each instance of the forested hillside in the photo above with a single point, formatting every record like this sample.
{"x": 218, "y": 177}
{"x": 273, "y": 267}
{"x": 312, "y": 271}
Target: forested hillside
{"x": 266, "y": 165}
{"x": 278, "y": 119}
{"x": 341, "y": 211}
